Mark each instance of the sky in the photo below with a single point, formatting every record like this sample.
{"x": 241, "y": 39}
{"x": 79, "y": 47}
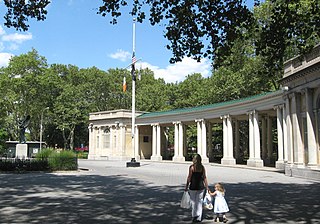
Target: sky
{"x": 75, "y": 34}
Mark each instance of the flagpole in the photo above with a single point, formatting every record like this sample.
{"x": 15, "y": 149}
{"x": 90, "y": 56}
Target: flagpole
{"x": 133, "y": 87}
{"x": 133, "y": 162}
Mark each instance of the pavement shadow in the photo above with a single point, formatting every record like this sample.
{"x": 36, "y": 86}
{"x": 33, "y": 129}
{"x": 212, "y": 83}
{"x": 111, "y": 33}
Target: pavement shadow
{"x": 52, "y": 198}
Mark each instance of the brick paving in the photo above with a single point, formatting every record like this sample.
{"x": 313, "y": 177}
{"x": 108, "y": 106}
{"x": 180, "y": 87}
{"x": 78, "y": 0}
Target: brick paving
{"x": 109, "y": 192}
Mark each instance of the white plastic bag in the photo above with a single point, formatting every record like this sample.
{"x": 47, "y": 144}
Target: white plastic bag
{"x": 185, "y": 201}
{"x": 207, "y": 201}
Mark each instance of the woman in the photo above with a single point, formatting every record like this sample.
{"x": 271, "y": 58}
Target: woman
{"x": 196, "y": 182}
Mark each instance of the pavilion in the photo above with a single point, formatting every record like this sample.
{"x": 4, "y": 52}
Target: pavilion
{"x": 289, "y": 117}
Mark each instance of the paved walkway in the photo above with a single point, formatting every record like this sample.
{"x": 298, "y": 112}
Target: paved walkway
{"x": 109, "y": 192}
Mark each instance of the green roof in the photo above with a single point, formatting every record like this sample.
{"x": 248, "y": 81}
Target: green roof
{"x": 204, "y": 107}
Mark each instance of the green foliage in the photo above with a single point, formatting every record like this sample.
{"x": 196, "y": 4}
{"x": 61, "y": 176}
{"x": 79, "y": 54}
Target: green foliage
{"x": 3, "y": 138}
{"x": 191, "y": 92}
{"x": 58, "y": 160}
{"x": 151, "y": 93}
{"x": 209, "y": 29}
{"x": 285, "y": 29}
{"x": 64, "y": 160}
{"x": 19, "y": 12}
{"x": 195, "y": 29}
{"x": 44, "y": 153}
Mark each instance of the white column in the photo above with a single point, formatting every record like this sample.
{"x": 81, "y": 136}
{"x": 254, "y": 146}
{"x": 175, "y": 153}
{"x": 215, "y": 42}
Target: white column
{"x": 178, "y": 142}
{"x": 204, "y": 156}
{"x": 289, "y": 130}
{"x": 256, "y": 161}
{"x": 156, "y": 137}
{"x": 251, "y": 138}
{"x": 224, "y": 136}
{"x": 312, "y": 143}
{"x": 91, "y": 142}
{"x": 227, "y": 141}
{"x": 181, "y": 141}
{"x": 257, "y": 148}
{"x": 154, "y": 141}
{"x": 158, "y": 140}
{"x": 230, "y": 137}
{"x": 199, "y": 146}
{"x": 285, "y": 134}
{"x": 137, "y": 143}
{"x": 280, "y": 161}
{"x": 298, "y": 154}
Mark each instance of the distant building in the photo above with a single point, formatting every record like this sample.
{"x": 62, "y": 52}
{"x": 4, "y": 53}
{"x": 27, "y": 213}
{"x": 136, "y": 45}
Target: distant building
{"x": 290, "y": 115}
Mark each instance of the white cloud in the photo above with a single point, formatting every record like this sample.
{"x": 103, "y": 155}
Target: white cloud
{"x": 4, "y": 59}
{"x": 172, "y": 73}
{"x": 179, "y": 71}
{"x": 121, "y": 55}
{"x": 17, "y": 38}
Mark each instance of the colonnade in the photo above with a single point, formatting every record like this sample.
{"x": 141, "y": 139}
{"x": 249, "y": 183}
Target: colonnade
{"x": 259, "y": 151}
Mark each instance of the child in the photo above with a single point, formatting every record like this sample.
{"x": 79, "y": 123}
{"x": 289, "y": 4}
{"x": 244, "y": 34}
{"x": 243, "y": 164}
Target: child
{"x": 220, "y": 204}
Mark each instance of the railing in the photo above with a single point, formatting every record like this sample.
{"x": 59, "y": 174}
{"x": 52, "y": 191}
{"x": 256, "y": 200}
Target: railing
{"x": 299, "y": 63}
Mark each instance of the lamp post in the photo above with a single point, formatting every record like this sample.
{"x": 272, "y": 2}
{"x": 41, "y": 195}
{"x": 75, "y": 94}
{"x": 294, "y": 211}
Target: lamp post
{"x": 41, "y": 126}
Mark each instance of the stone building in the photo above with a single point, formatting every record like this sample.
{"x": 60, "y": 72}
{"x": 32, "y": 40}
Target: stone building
{"x": 290, "y": 115}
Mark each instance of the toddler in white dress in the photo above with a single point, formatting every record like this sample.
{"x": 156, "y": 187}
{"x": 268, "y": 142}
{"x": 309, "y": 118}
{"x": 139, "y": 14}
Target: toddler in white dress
{"x": 220, "y": 204}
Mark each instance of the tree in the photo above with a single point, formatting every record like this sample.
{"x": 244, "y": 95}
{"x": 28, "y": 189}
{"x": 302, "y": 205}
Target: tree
{"x": 206, "y": 28}
{"x": 151, "y": 93}
{"x": 18, "y": 12}
{"x": 191, "y": 92}
{"x": 23, "y": 91}
{"x": 285, "y": 29}
{"x": 194, "y": 28}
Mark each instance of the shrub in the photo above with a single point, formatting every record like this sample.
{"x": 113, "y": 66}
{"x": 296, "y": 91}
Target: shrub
{"x": 44, "y": 153}
{"x": 65, "y": 160}
{"x": 46, "y": 160}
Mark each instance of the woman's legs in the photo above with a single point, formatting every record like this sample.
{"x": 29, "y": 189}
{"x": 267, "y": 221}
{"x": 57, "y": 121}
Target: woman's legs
{"x": 196, "y": 203}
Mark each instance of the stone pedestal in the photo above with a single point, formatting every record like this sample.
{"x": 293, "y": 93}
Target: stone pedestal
{"x": 255, "y": 162}
{"x": 21, "y": 151}
{"x": 228, "y": 161}
{"x": 156, "y": 158}
{"x": 178, "y": 159}
{"x": 280, "y": 165}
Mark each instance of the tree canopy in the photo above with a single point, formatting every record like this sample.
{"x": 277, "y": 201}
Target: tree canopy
{"x": 206, "y": 28}
{"x": 247, "y": 47}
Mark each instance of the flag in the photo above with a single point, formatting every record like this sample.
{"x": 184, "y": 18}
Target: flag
{"x": 134, "y": 60}
{"x": 139, "y": 74}
{"x": 124, "y": 85}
